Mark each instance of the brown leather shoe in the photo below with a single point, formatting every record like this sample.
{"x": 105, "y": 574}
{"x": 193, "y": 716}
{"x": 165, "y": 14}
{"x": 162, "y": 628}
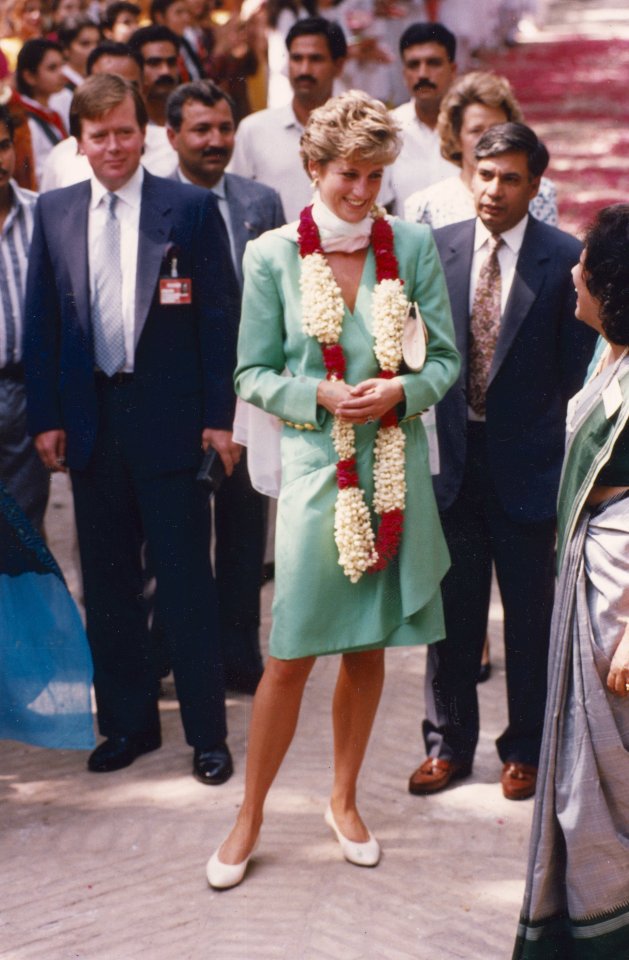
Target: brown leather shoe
{"x": 518, "y": 780}
{"x": 435, "y": 774}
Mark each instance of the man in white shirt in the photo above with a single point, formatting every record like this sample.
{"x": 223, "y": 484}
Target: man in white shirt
{"x": 267, "y": 146}
{"x": 501, "y": 431}
{"x": 131, "y": 315}
{"x": 428, "y": 61}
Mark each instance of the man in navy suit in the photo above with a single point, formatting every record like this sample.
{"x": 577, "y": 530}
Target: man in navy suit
{"x": 131, "y": 321}
{"x": 201, "y": 127}
{"x": 501, "y": 439}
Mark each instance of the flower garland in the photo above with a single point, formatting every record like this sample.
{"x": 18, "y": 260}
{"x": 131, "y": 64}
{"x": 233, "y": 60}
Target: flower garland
{"x": 323, "y": 310}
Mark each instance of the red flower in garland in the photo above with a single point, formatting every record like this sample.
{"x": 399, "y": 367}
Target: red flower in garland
{"x": 388, "y": 538}
{"x": 346, "y": 473}
{"x": 334, "y": 360}
{"x": 382, "y": 240}
{"x": 308, "y": 234}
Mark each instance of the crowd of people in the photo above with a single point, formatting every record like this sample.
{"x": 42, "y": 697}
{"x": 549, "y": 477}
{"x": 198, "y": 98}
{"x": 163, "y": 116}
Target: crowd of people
{"x": 387, "y": 283}
{"x": 45, "y": 52}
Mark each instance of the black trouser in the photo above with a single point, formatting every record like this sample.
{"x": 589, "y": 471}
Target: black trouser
{"x": 116, "y": 508}
{"x": 240, "y": 525}
{"x": 479, "y": 532}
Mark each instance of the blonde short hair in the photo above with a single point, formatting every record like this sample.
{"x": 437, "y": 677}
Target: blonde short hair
{"x": 488, "y": 89}
{"x": 351, "y": 125}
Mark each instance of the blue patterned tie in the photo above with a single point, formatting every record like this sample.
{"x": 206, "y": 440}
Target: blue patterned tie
{"x": 107, "y": 326}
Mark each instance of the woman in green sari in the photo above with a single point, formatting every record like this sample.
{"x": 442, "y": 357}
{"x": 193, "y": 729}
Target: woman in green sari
{"x": 576, "y": 902}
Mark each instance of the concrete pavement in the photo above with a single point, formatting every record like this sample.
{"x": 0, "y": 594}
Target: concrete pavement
{"x": 111, "y": 867}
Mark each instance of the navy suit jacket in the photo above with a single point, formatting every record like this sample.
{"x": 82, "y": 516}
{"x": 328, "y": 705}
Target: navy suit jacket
{"x": 253, "y": 209}
{"x": 540, "y": 361}
{"x": 185, "y": 354}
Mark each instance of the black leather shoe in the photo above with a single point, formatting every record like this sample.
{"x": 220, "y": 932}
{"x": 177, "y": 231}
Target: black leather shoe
{"x": 118, "y": 752}
{"x": 213, "y": 766}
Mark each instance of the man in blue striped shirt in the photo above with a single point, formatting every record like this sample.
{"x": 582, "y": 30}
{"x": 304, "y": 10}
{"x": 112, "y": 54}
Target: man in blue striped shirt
{"x": 21, "y": 469}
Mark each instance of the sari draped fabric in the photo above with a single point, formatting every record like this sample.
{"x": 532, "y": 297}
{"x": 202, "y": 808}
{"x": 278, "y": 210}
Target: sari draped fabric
{"x": 45, "y": 663}
{"x": 576, "y": 902}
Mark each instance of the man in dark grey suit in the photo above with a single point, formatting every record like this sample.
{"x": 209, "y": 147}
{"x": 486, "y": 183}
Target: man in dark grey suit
{"x": 201, "y": 128}
{"x": 501, "y": 439}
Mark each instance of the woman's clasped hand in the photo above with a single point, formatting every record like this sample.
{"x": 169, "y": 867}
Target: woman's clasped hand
{"x": 366, "y": 402}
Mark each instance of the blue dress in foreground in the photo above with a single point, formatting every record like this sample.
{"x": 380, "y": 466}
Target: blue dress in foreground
{"x": 45, "y": 662}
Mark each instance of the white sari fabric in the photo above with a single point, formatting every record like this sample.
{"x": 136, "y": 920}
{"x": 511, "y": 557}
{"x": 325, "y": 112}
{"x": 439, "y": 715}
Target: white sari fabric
{"x": 576, "y": 904}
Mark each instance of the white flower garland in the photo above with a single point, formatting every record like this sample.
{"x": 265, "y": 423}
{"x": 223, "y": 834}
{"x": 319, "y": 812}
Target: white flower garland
{"x": 389, "y": 305}
{"x": 323, "y": 311}
{"x": 321, "y": 300}
{"x": 389, "y": 308}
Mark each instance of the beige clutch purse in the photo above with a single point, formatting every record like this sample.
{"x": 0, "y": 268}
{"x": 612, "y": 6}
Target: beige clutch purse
{"x": 414, "y": 339}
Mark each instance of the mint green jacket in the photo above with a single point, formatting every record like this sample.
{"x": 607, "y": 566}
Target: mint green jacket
{"x": 316, "y": 608}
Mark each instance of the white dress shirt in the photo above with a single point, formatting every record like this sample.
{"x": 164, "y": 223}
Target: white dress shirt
{"x": 128, "y": 213}
{"x": 420, "y": 162}
{"x": 508, "y": 254}
{"x": 267, "y": 150}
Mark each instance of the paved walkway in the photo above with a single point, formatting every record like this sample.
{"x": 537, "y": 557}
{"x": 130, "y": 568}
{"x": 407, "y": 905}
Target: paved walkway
{"x": 112, "y": 867}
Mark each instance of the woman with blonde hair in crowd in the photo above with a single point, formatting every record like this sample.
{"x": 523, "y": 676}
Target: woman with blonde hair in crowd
{"x": 359, "y": 549}
{"x": 474, "y": 102}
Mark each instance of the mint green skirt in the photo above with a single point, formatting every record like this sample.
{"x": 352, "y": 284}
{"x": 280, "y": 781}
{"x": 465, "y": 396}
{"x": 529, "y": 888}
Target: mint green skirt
{"x": 316, "y": 608}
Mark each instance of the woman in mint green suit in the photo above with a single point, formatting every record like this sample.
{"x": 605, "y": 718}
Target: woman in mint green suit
{"x": 309, "y": 297}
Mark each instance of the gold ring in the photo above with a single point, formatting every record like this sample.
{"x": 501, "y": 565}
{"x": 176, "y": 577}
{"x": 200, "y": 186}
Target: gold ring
{"x": 627, "y": 687}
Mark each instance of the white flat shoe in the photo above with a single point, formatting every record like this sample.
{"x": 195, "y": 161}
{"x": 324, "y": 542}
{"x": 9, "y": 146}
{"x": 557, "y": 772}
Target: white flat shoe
{"x": 222, "y": 876}
{"x": 365, "y": 854}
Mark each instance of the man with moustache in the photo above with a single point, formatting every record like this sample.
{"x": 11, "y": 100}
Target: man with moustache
{"x": 131, "y": 317}
{"x": 267, "y": 147}
{"x": 501, "y": 431}
{"x": 158, "y": 49}
{"x": 21, "y": 470}
{"x": 202, "y": 129}
{"x": 65, "y": 165}
{"x": 428, "y": 53}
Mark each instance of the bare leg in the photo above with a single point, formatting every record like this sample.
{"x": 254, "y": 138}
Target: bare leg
{"x": 273, "y": 722}
{"x": 356, "y": 699}
{"x": 485, "y": 658}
